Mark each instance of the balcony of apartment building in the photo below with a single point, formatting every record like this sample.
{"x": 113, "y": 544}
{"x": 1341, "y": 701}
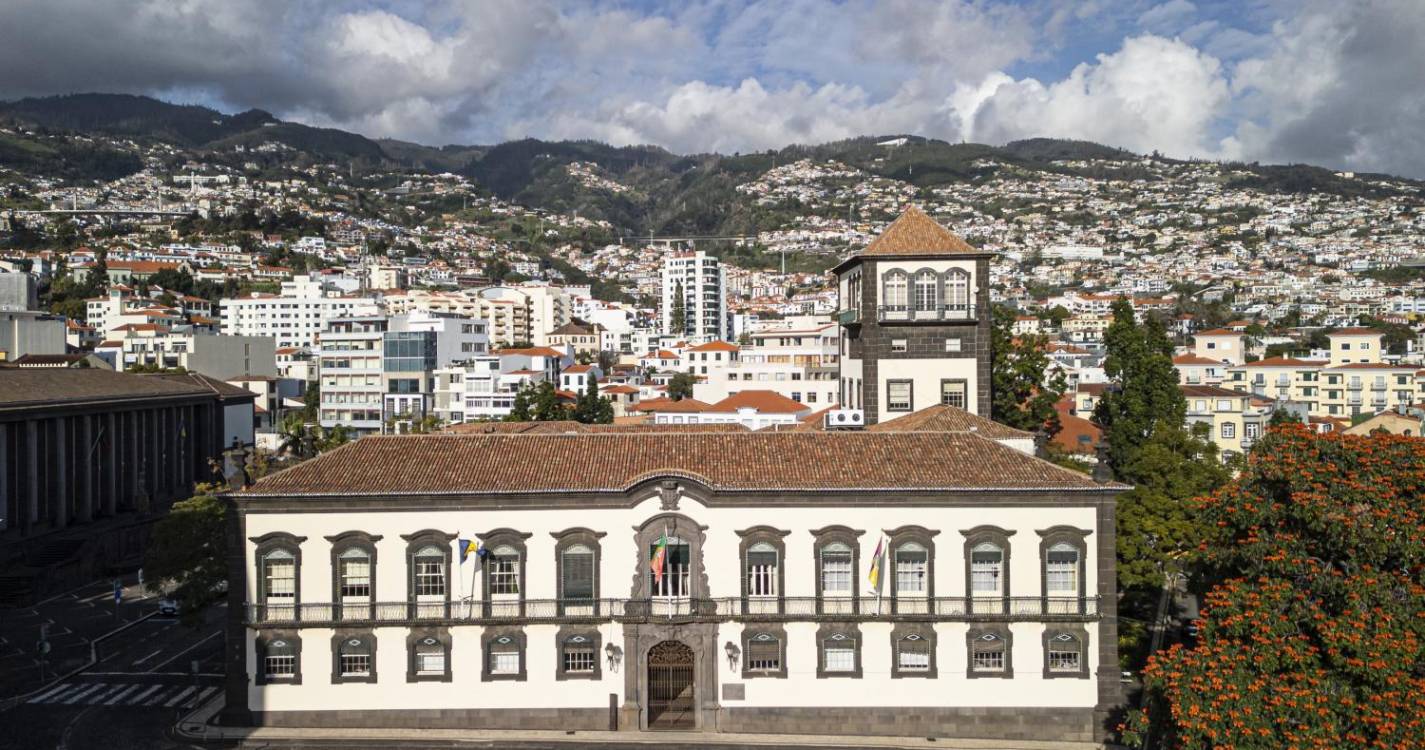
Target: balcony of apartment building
{"x": 917, "y": 313}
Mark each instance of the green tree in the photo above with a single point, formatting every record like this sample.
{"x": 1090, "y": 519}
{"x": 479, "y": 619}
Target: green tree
{"x": 1024, "y": 390}
{"x": 302, "y": 439}
{"x": 680, "y": 386}
{"x": 1312, "y": 634}
{"x": 591, "y": 407}
{"x": 537, "y": 403}
{"x": 679, "y": 314}
{"x": 187, "y": 553}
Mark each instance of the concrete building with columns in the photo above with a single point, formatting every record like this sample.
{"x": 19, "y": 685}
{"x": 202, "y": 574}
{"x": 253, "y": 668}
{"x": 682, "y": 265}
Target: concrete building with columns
{"x": 89, "y": 457}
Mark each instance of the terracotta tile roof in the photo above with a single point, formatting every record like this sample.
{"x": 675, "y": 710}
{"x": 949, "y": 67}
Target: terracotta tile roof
{"x": 533, "y": 351}
{"x": 764, "y": 402}
{"x": 1211, "y": 391}
{"x": 623, "y": 389}
{"x": 1355, "y": 332}
{"x": 577, "y": 369}
{"x": 670, "y": 406}
{"x": 1219, "y": 332}
{"x": 1372, "y": 366}
{"x": 751, "y": 461}
{"x": 715, "y": 346}
{"x": 563, "y": 427}
{"x": 943, "y": 418}
{"x": 915, "y": 233}
{"x": 1076, "y": 434}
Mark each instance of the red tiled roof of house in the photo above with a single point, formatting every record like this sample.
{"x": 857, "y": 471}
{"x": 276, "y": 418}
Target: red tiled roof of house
{"x": 764, "y": 402}
{"x": 619, "y": 389}
{"x": 1193, "y": 359}
{"x": 533, "y": 351}
{"x": 1219, "y": 332}
{"x": 715, "y": 346}
{"x": 1371, "y": 366}
{"x": 1285, "y": 362}
{"x": 1357, "y": 331}
{"x": 724, "y": 461}
{"x": 577, "y": 369}
{"x": 1076, "y": 434}
{"x": 946, "y": 418}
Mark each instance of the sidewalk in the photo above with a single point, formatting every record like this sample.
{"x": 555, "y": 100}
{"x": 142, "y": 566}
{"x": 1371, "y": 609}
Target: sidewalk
{"x": 196, "y": 726}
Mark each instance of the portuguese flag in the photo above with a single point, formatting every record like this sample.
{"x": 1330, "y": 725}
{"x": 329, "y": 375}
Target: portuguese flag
{"x": 659, "y": 559}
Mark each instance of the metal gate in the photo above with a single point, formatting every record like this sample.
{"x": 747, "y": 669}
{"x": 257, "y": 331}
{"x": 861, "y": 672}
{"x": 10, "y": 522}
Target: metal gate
{"x": 670, "y": 686}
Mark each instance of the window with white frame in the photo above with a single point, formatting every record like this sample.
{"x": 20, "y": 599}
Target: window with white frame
{"x": 895, "y": 289}
{"x": 355, "y": 570}
{"x": 986, "y": 570}
{"x": 429, "y": 564}
{"x": 504, "y": 656}
{"x": 952, "y": 393}
{"x": 578, "y": 655}
{"x": 838, "y": 653}
{"x": 836, "y": 575}
{"x": 912, "y": 563}
{"x": 957, "y": 290}
{"x": 1064, "y": 654}
{"x": 279, "y": 659}
{"x": 1061, "y": 570}
{"x": 898, "y": 395}
{"x": 913, "y": 654}
{"x": 926, "y": 297}
{"x": 1229, "y": 429}
{"x": 504, "y": 568}
{"x": 430, "y": 657}
{"x": 898, "y": 345}
{"x": 762, "y": 570}
{"x": 988, "y": 654}
{"x": 279, "y": 577}
{"x": 354, "y": 658}
{"x": 764, "y": 653}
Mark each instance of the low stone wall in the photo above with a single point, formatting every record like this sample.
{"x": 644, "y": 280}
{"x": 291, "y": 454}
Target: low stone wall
{"x": 1061, "y": 724}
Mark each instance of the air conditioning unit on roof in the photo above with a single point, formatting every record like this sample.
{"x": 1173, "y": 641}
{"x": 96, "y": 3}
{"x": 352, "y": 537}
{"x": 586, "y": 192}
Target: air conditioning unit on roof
{"x": 845, "y": 419}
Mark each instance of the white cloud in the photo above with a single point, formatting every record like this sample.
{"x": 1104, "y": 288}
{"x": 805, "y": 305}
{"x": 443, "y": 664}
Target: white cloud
{"x": 1153, "y": 94}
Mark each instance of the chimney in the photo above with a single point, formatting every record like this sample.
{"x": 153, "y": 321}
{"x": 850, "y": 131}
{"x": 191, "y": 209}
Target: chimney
{"x": 1102, "y": 472}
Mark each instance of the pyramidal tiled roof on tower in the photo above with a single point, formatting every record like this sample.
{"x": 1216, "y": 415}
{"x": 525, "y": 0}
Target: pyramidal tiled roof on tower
{"x": 915, "y": 233}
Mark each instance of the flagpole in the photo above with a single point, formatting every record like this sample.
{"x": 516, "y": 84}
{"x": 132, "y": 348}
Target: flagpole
{"x": 664, "y": 562}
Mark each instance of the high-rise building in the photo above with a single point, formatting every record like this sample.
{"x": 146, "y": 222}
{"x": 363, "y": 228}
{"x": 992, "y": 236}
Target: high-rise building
{"x": 915, "y": 322}
{"x": 694, "y": 304}
{"x": 294, "y": 317}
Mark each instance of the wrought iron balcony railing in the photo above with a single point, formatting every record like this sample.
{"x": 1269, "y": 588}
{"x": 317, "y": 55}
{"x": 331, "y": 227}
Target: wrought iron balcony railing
{"x": 910, "y": 313}
{"x": 940, "y": 608}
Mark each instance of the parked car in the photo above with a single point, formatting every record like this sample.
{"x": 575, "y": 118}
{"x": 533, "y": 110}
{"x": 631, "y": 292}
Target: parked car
{"x": 168, "y": 607}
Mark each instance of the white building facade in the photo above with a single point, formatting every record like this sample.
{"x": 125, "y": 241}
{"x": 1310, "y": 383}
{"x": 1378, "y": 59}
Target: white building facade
{"x": 701, "y": 280}
{"x": 293, "y": 317}
{"x": 992, "y": 616}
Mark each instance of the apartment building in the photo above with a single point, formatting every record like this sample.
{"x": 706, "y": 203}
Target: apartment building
{"x": 196, "y": 350}
{"x": 1221, "y": 344}
{"x": 1235, "y": 420}
{"x": 376, "y": 368}
{"x": 915, "y": 321}
{"x": 798, "y": 363}
{"x": 484, "y": 388}
{"x": 907, "y": 583}
{"x": 702, "y": 282}
{"x": 293, "y": 317}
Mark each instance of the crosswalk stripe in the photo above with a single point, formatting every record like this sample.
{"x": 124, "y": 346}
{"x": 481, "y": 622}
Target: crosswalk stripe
{"x": 121, "y": 694}
{"x": 144, "y": 694}
{"x": 92, "y": 688}
{"x": 46, "y": 695}
{"x": 174, "y": 700}
{"x": 203, "y": 696}
{"x": 96, "y": 698}
{"x": 157, "y": 697}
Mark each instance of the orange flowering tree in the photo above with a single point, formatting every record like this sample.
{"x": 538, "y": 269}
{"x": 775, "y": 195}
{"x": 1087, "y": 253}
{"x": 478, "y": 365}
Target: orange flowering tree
{"x": 1313, "y": 630}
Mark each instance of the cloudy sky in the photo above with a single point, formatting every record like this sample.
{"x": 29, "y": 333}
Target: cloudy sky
{"x": 1339, "y": 83}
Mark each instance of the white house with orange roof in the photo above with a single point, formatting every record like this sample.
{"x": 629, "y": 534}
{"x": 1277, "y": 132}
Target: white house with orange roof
{"x": 1221, "y": 344}
{"x": 1198, "y": 370}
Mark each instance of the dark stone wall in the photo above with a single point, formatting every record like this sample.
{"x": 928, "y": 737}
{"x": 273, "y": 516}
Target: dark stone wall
{"x": 584, "y": 719}
{"x": 1019, "y": 723}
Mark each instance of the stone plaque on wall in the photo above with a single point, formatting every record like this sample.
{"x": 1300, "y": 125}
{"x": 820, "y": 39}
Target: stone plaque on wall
{"x": 734, "y": 691}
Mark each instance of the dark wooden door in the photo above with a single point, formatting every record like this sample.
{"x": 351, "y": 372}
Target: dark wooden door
{"x": 670, "y": 686}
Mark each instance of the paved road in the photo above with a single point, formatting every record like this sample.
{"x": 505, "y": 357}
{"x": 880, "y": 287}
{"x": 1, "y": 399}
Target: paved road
{"x": 72, "y": 620}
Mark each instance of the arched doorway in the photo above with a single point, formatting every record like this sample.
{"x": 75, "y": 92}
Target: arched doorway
{"x": 670, "y": 686}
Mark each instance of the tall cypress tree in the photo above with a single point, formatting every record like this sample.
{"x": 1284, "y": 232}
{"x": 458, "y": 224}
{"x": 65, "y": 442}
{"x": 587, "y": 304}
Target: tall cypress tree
{"x": 679, "y": 315}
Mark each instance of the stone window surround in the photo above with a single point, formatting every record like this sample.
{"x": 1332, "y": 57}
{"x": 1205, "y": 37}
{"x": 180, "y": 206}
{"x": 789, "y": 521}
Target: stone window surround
{"x": 941, "y": 277}
{"x": 339, "y": 638}
{"x": 965, "y": 389}
{"x": 685, "y": 529}
{"x": 260, "y": 648}
{"x": 847, "y": 536}
{"x": 570, "y": 537}
{"x": 276, "y": 540}
{"x": 826, "y": 631}
{"x": 904, "y": 630}
{"x": 487, "y": 638}
{"x": 1082, "y": 635}
{"x": 1004, "y": 634}
{"x": 999, "y": 537}
{"x": 757, "y": 535}
{"x": 1063, "y": 534}
{"x": 504, "y": 537}
{"x": 415, "y": 542}
{"x": 775, "y": 630}
{"x": 417, "y": 635}
{"x": 925, "y": 538}
{"x": 596, "y": 642}
{"x": 341, "y": 543}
